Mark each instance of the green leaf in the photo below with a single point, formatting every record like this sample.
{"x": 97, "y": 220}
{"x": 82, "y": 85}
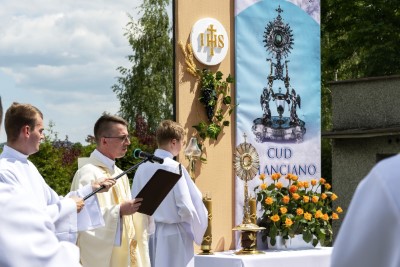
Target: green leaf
{"x": 226, "y": 123}
{"x": 227, "y": 100}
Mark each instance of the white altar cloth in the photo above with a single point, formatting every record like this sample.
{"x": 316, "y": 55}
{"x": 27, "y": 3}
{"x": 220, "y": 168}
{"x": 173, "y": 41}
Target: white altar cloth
{"x": 316, "y": 257}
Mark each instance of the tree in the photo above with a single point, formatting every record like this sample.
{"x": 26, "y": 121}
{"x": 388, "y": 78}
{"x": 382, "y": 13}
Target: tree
{"x": 360, "y": 38}
{"x": 145, "y": 91}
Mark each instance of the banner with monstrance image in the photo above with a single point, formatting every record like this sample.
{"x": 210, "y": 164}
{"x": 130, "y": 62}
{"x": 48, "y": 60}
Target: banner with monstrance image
{"x": 277, "y": 47}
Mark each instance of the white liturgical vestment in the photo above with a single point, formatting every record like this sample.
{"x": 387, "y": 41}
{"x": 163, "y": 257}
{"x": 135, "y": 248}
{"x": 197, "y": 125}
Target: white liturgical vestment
{"x": 370, "y": 233}
{"x": 123, "y": 241}
{"x": 17, "y": 170}
{"x": 180, "y": 219}
{"x": 27, "y": 234}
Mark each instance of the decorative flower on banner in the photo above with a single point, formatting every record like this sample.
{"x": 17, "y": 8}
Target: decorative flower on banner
{"x": 298, "y": 208}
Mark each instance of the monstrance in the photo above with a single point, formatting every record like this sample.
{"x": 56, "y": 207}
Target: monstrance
{"x": 247, "y": 163}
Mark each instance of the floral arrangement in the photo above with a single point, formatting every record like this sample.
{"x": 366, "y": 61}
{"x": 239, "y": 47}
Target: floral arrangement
{"x": 300, "y": 207}
{"x": 214, "y": 96}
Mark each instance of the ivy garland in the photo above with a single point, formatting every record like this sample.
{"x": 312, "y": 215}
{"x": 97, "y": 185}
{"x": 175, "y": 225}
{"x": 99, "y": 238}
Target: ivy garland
{"x": 214, "y": 96}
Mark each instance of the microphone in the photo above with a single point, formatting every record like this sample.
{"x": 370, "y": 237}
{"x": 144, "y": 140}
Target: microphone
{"x": 144, "y": 155}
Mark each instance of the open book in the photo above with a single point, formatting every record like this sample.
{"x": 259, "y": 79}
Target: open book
{"x": 156, "y": 189}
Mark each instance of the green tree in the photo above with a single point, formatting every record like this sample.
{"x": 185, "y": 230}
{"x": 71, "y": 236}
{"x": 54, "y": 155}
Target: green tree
{"x": 145, "y": 90}
{"x": 359, "y": 39}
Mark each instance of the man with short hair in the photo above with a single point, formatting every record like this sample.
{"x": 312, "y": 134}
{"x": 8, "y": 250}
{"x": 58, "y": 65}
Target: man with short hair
{"x": 27, "y": 233}
{"x": 123, "y": 240}
{"x": 24, "y": 129}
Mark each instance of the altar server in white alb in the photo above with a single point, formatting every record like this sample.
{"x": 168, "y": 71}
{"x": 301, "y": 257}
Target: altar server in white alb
{"x": 369, "y": 234}
{"x": 123, "y": 241}
{"x": 24, "y": 227}
{"x": 181, "y": 217}
{"x": 24, "y": 129}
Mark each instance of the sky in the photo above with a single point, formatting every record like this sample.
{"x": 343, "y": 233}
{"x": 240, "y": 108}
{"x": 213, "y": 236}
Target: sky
{"x": 61, "y": 56}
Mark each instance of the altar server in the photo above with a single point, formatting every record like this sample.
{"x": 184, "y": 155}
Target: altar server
{"x": 369, "y": 234}
{"x": 24, "y": 227}
{"x": 24, "y": 129}
{"x": 182, "y": 217}
{"x": 123, "y": 240}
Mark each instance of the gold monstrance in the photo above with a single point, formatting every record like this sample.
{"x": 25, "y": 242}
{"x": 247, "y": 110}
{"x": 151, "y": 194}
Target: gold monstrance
{"x": 247, "y": 164}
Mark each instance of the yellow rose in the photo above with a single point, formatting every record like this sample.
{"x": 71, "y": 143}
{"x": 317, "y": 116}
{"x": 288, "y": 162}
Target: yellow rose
{"x": 263, "y": 186}
{"x": 275, "y": 218}
{"x": 300, "y": 184}
{"x": 313, "y": 182}
{"x": 286, "y": 199}
{"x": 323, "y": 196}
{"x": 335, "y": 216}
{"x": 288, "y": 222}
{"x": 299, "y": 211}
{"x": 339, "y": 210}
{"x": 295, "y": 196}
{"x": 306, "y": 199}
{"x": 334, "y": 196}
{"x": 269, "y": 200}
{"x": 306, "y": 184}
{"x": 307, "y": 216}
{"x": 314, "y": 199}
{"x": 283, "y": 210}
{"x": 327, "y": 186}
{"x": 279, "y": 185}
{"x": 294, "y": 177}
{"x": 262, "y": 176}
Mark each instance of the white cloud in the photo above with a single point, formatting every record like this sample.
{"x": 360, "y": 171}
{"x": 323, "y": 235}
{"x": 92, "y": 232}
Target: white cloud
{"x": 61, "y": 56}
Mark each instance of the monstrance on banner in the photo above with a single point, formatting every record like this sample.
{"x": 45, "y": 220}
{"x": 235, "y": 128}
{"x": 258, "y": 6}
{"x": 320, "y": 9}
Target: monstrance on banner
{"x": 278, "y": 85}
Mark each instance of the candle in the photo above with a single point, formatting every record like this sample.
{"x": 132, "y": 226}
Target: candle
{"x": 207, "y": 238}
{"x": 253, "y": 210}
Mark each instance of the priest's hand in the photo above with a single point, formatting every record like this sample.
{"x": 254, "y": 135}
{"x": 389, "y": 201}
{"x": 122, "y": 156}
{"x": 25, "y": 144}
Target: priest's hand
{"x": 80, "y": 203}
{"x": 106, "y": 182}
{"x": 130, "y": 206}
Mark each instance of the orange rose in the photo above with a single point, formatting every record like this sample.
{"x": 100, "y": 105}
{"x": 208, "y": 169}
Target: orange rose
{"x": 335, "y": 216}
{"x": 275, "y": 176}
{"x": 288, "y": 176}
{"x": 262, "y": 176}
{"x": 307, "y": 216}
{"x": 334, "y": 196}
{"x": 263, "y": 186}
{"x": 288, "y": 222}
{"x": 299, "y": 211}
{"x": 313, "y": 182}
{"x": 300, "y": 184}
{"x": 294, "y": 177}
{"x": 283, "y": 210}
{"x": 314, "y": 199}
{"x": 327, "y": 186}
{"x": 286, "y": 199}
{"x": 323, "y": 196}
{"x": 306, "y": 184}
{"x": 269, "y": 200}
{"x": 325, "y": 217}
{"x": 275, "y": 218}
{"x": 339, "y": 210}
{"x": 322, "y": 181}
{"x": 293, "y": 189}
{"x": 295, "y": 196}
{"x": 318, "y": 214}
{"x": 279, "y": 185}
{"x": 306, "y": 199}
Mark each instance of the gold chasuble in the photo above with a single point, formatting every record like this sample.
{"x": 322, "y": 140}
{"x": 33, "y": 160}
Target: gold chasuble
{"x": 116, "y": 244}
